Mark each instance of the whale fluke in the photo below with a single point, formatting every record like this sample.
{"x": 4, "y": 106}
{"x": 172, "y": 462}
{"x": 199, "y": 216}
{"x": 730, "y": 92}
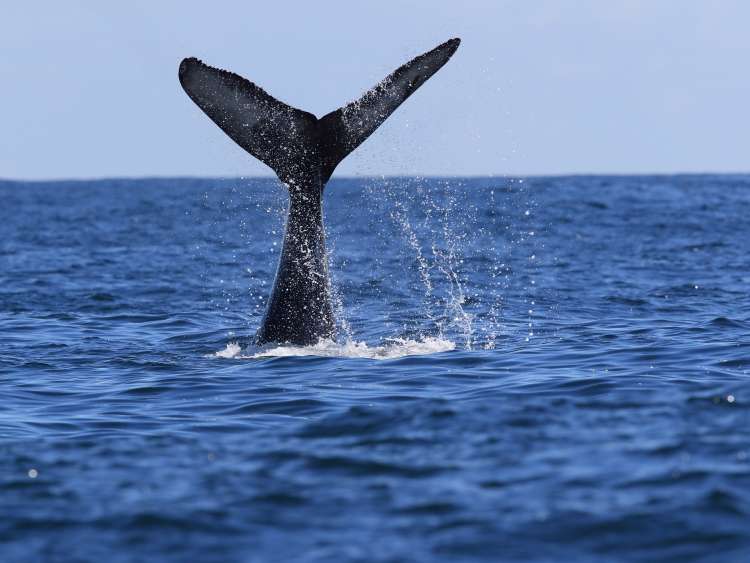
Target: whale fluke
{"x": 286, "y": 138}
{"x": 273, "y": 132}
{"x": 345, "y": 129}
{"x": 303, "y": 151}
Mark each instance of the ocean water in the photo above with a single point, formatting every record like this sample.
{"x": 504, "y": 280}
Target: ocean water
{"x": 539, "y": 369}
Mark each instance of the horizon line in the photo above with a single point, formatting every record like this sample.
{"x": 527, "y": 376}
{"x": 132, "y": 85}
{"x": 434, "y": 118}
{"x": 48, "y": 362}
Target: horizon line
{"x": 379, "y": 176}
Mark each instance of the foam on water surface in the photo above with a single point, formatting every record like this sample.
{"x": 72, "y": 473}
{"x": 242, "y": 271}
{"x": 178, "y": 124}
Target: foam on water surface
{"x": 393, "y": 348}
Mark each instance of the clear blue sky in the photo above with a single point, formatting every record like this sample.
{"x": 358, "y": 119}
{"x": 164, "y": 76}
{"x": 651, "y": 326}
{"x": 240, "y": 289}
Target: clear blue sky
{"x": 90, "y": 89}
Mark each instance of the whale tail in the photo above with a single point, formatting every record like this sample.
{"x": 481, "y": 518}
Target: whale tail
{"x": 303, "y": 151}
{"x": 294, "y": 143}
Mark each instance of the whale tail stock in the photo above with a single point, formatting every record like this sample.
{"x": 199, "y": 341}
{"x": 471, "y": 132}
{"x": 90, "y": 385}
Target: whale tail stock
{"x": 302, "y": 149}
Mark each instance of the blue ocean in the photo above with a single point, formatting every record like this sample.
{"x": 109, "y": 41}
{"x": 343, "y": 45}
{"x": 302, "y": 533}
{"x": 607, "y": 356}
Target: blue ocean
{"x": 526, "y": 369}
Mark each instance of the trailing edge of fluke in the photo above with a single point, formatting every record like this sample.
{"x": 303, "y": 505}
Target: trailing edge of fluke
{"x": 303, "y": 151}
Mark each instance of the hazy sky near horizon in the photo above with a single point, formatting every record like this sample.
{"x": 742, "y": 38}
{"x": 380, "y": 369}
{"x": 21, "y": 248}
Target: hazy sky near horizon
{"x": 90, "y": 88}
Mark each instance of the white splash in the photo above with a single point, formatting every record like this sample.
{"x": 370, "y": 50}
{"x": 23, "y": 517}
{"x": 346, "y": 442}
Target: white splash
{"x": 231, "y": 351}
{"x": 394, "y": 348}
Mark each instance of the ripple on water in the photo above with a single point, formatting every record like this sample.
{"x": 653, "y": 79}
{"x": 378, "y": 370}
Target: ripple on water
{"x": 587, "y": 404}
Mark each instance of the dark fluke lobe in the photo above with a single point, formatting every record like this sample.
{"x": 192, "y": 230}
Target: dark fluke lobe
{"x": 303, "y": 151}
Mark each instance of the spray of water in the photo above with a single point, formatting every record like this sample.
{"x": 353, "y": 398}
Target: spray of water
{"x": 435, "y": 243}
{"x": 454, "y": 251}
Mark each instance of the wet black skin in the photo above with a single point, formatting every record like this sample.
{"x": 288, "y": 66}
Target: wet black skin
{"x": 299, "y": 310}
{"x": 303, "y": 151}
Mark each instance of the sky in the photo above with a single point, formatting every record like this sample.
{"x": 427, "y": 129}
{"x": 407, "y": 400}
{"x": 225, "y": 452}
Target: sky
{"x": 537, "y": 87}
